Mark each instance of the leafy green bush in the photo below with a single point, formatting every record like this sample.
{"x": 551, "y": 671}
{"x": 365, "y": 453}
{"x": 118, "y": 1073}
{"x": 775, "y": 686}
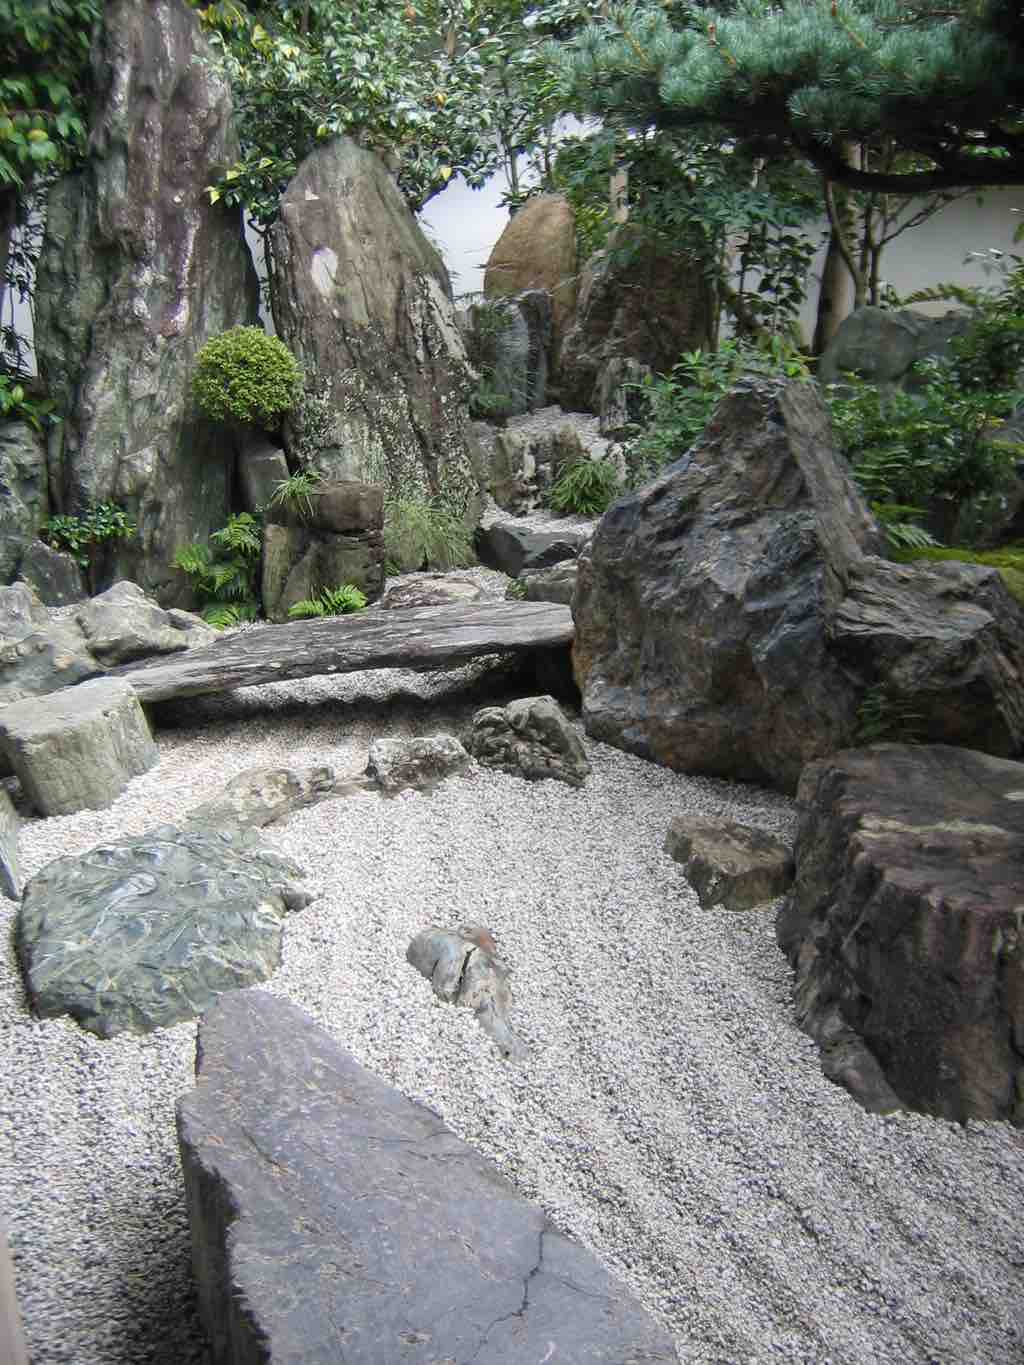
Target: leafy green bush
{"x": 18, "y": 404}
{"x": 1009, "y": 561}
{"x": 80, "y": 536}
{"x": 244, "y": 375}
{"x": 424, "y": 532}
{"x": 680, "y": 404}
{"x": 585, "y": 488}
{"x": 340, "y": 601}
{"x": 224, "y": 577}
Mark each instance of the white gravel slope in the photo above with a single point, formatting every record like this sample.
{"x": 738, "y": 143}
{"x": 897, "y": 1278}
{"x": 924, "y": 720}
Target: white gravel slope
{"x": 671, "y": 1116}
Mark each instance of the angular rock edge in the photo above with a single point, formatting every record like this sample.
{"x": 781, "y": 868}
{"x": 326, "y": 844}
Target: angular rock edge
{"x": 334, "y": 1219}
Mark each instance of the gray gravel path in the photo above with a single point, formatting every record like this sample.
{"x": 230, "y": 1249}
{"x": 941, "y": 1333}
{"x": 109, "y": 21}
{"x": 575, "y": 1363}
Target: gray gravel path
{"x": 671, "y": 1116}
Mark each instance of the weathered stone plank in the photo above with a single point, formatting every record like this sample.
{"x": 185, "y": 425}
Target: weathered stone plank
{"x": 335, "y": 1220}
{"x": 420, "y": 638}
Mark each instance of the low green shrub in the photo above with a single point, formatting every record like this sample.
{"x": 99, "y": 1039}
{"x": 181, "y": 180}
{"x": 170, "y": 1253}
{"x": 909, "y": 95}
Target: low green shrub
{"x": 422, "y": 532}
{"x": 297, "y": 491}
{"x": 340, "y": 601}
{"x": 225, "y": 573}
{"x": 246, "y": 376}
{"x": 585, "y": 488}
{"x": 81, "y": 536}
{"x": 19, "y": 404}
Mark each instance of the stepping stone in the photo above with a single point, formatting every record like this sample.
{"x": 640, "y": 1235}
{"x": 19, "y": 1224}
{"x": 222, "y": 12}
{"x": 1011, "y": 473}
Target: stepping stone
{"x": 735, "y": 866}
{"x": 335, "y": 1220}
{"x": 77, "y": 748}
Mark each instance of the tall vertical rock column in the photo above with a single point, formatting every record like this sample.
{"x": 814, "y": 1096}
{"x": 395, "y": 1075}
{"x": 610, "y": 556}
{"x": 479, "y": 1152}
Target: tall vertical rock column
{"x": 137, "y": 271}
{"x": 364, "y": 301}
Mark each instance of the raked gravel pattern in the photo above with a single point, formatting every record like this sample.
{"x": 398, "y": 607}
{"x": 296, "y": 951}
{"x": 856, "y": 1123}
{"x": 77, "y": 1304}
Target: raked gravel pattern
{"x": 671, "y": 1116}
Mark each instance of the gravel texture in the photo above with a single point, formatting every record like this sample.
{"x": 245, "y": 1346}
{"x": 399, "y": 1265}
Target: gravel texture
{"x": 670, "y": 1115}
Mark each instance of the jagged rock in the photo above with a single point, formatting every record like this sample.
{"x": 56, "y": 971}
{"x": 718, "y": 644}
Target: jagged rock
{"x": 509, "y": 341}
{"x": 735, "y": 866}
{"x": 556, "y": 584}
{"x": 53, "y": 575}
{"x": 537, "y": 250}
{"x": 882, "y": 344}
{"x": 147, "y": 931}
{"x": 339, "y": 506}
{"x": 463, "y": 968}
{"x": 731, "y": 620}
{"x": 531, "y": 738}
{"x": 364, "y": 302}
{"x": 511, "y": 548}
{"x": 38, "y": 654}
{"x": 10, "y": 863}
{"x": 261, "y": 467}
{"x": 78, "y": 749}
{"x": 123, "y": 624}
{"x": 138, "y": 269}
{"x": 24, "y": 499}
{"x": 421, "y": 763}
{"x": 263, "y": 796}
{"x": 621, "y": 404}
{"x": 904, "y": 928}
{"x": 300, "y": 561}
{"x": 430, "y": 590}
{"x": 524, "y": 464}
{"x": 647, "y": 306}
{"x": 323, "y": 1202}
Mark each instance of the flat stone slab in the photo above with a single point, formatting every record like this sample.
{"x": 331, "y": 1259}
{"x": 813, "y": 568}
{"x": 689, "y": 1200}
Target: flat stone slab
{"x": 147, "y": 931}
{"x": 77, "y": 748}
{"x": 735, "y": 866}
{"x": 420, "y": 638}
{"x": 333, "y": 1220}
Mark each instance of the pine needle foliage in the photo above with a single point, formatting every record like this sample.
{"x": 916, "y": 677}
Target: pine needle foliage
{"x": 813, "y": 76}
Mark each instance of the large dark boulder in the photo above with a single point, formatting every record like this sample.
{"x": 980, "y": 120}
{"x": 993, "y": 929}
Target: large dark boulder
{"x": 731, "y": 618}
{"x": 537, "y": 250}
{"x": 138, "y": 269}
{"x": 335, "y": 1220}
{"x": 882, "y": 345}
{"x": 364, "y": 302}
{"x": 638, "y": 302}
{"x": 904, "y": 927}
{"x": 147, "y": 931}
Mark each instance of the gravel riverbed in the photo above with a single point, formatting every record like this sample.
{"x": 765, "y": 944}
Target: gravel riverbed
{"x": 671, "y": 1116}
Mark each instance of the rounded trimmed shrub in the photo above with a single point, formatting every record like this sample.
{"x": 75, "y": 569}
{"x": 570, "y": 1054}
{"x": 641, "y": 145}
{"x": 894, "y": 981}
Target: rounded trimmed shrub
{"x": 244, "y": 375}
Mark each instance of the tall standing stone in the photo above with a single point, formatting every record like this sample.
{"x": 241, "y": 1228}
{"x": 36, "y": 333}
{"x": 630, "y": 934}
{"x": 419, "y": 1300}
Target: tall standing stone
{"x": 137, "y": 271}
{"x": 537, "y": 250}
{"x": 364, "y": 301}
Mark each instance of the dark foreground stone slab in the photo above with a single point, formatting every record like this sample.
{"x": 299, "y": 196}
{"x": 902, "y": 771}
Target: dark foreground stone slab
{"x": 333, "y": 1220}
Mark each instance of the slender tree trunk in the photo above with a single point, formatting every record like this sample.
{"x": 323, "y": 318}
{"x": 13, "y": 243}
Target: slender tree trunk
{"x": 8, "y": 218}
{"x": 842, "y": 286}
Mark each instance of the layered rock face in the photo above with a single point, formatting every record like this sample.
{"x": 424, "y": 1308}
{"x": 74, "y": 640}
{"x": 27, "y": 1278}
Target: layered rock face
{"x": 137, "y": 271}
{"x": 904, "y": 928}
{"x": 364, "y": 302}
{"x": 732, "y": 618}
{"x": 634, "y": 313}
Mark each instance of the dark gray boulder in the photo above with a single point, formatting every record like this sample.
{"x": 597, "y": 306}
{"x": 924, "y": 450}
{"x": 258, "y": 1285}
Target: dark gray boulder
{"x": 364, "y": 302}
{"x": 511, "y": 548}
{"x": 123, "y": 624}
{"x": 733, "y": 619}
{"x": 735, "y": 866}
{"x": 904, "y": 928}
{"x": 138, "y": 269}
{"x": 418, "y": 763}
{"x": 555, "y": 584}
{"x": 24, "y": 496}
{"x": 334, "y": 1219}
{"x": 532, "y": 738}
{"x": 463, "y": 968}
{"x": 144, "y": 932}
{"x": 509, "y": 342}
{"x": 53, "y": 575}
{"x": 637, "y": 302}
{"x": 881, "y": 345}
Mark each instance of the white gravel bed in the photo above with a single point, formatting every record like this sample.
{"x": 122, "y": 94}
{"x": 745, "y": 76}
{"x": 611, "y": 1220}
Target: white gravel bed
{"x": 671, "y": 1116}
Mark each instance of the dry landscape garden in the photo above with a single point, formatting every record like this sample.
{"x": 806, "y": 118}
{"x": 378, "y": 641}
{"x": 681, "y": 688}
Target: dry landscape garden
{"x": 511, "y": 802}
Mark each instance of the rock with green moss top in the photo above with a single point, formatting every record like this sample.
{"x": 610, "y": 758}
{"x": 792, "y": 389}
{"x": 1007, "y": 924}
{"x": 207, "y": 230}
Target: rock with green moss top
{"x": 364, "y": 302}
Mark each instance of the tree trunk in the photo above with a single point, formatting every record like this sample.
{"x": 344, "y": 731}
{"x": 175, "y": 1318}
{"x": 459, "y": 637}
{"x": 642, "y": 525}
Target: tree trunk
{"x": 836, "y": 295}
{"x": 8, "y": 219}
